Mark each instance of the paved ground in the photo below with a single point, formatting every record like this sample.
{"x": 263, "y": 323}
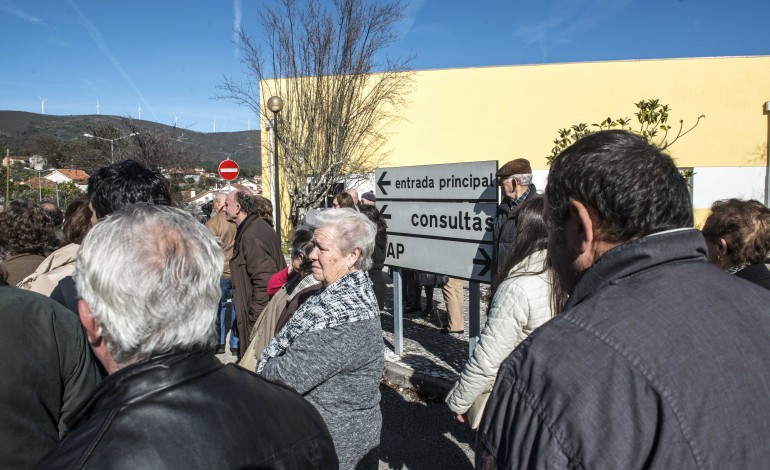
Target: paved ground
{"x": 430, "y": 354}
{"x": 421, "y": 435}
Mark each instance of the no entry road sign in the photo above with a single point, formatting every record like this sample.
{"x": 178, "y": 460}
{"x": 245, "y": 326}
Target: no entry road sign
{"x": 228, "y": 170}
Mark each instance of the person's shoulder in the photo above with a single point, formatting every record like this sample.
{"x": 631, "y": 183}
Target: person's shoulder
{"x": 34, "y": 304}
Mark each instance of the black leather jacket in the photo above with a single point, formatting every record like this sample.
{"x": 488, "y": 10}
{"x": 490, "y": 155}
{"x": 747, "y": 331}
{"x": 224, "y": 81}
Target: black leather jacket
{"x": 188, "y": 410}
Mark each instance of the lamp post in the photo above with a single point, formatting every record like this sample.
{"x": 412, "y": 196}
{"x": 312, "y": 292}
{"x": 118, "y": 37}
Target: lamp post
{"x": 112, "y": 143}
{"x": 275, "y": 104}
{"x": 38, "y": 164}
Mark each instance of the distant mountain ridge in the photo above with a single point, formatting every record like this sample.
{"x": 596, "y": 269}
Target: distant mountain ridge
{"x": 19, "y": 131}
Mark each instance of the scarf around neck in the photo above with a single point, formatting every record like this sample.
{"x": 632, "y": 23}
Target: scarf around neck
{"x": 349, "y": 299}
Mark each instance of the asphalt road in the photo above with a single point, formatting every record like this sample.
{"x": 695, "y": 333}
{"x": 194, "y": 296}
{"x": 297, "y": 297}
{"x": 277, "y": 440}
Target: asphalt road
{"x": 422, "y": 435}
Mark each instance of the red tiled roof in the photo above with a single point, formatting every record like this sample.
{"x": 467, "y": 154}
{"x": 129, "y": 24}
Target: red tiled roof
{"x": 33, "y": 183}
{"x": 74, "y": 175}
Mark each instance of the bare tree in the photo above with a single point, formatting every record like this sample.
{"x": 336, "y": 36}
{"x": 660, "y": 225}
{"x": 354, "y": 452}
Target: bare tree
{"x": 328, "y": 62}
{"x": 156, "y": 146}
{"x": 152, "y": 144}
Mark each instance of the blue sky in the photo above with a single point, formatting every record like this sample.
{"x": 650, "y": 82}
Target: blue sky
{"x": 168, "y": 56}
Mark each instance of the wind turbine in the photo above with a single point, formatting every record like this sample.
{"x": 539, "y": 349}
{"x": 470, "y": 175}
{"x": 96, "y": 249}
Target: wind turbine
{"x": 176, "y": 120}
{"x": 214, "y": 123}
{"x": 42, "y": 104}
{"x": 97, "y": 107}
{"x": 249, "y": 123}
{"x": 140, "y": 111}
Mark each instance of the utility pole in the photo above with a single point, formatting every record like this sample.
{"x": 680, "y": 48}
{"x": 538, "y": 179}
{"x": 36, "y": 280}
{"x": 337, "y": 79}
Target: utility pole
{"x": 7, "y": 176}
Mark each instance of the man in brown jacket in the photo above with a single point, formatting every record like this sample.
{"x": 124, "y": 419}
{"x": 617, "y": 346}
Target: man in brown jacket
{"x": 256, "y": 256}
{"x": 225, "y": 233}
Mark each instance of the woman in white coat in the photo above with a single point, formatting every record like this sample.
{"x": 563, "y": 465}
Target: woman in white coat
{"x": 525, "y": 295}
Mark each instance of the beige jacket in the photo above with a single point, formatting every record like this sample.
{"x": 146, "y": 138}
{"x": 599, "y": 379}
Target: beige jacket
{"x": 225, "y": 232}
{"x": 58, "y": 265}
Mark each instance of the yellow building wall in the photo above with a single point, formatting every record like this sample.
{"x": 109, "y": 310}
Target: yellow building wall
{"x": 501, "y": 113}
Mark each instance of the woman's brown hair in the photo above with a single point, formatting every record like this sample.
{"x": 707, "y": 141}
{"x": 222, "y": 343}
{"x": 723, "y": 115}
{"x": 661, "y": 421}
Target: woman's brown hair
{"x": 745, "y": 227}
{"x": 77, "y": 221}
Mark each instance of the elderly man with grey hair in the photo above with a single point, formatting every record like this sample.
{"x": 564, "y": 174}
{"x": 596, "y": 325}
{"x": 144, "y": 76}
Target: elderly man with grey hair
{"x": 168, "y": 402}
{"x": 224, "y": 230}
{"x": 256, "y": 257}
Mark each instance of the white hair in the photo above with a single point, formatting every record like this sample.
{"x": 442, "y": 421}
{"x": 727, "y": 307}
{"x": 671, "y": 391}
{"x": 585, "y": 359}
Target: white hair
{"x": 150, "y": 275}
{"x": 524, "y": 179}
{"x": 353, "y": 229}
{"x": 221, "y": 196}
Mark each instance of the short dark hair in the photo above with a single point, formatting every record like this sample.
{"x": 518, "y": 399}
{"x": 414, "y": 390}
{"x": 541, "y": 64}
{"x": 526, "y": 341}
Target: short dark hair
{"x": 120, "y": 184}
{"x": 302, "y": 245}
{"x": 635, "y": 188}
{"x": 77, "y": 221}
{"x": 745, "y": 227}
{"x": 53, "y": 212}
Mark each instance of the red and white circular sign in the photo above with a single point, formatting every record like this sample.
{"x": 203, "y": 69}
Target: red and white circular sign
{"x": 228, "y": 170}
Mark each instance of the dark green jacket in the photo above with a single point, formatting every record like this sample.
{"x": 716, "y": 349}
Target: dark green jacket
{"x": 47, "y": 370}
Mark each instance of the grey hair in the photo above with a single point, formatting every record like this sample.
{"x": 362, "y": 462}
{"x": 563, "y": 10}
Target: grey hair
{"x": 524, "y": 179}
{"x": 150, "y": 275}
{"x": 353, "y": 229}
{"x": 220, "y": 196}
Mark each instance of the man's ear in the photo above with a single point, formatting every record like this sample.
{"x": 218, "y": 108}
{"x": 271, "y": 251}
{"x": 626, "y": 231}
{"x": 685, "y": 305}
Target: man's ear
{"x": 89, "y": 323}
{"x": 586, "y": 219}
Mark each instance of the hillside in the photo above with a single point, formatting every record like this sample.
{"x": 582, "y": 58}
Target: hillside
{"x": 19, "y": 132}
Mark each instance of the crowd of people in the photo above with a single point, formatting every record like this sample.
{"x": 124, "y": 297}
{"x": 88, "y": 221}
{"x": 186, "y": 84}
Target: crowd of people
{"x": 617, "y": 335}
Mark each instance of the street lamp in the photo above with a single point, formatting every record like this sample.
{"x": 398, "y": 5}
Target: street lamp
{"x": 111, "y": 141}
{"x": 275, "y": 104}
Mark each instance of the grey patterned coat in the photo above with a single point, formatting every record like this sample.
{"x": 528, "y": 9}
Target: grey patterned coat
{"x": 338, "y": 370}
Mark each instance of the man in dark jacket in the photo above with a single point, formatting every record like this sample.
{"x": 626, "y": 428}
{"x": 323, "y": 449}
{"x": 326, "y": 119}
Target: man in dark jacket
{"x": 515, "y": 180}
{"x": 169, "y": 402}
{"x": 256, "y": 257}
{"x": 659, "y": 359}
{"x": 47, "y": 370}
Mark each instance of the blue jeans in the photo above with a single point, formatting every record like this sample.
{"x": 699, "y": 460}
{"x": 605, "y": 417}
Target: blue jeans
{"x": 222, "y": 328}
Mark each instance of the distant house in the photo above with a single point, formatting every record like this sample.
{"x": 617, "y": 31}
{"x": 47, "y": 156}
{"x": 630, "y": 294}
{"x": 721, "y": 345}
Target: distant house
{"x": 251, "y": 185}
{"x": 37, "y": 182}
{"x": 79, "y": 177}
{"x": 197, "y": 200}
{"x": 16, "y": 160}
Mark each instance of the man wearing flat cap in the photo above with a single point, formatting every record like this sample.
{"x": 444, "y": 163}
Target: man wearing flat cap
{"x": 368, "y": 199}
{"x": 515, "y": 180}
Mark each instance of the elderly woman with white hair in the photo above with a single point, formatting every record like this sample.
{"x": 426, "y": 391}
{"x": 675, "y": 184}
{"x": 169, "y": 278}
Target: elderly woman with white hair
{"x": 331, "y": 350}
